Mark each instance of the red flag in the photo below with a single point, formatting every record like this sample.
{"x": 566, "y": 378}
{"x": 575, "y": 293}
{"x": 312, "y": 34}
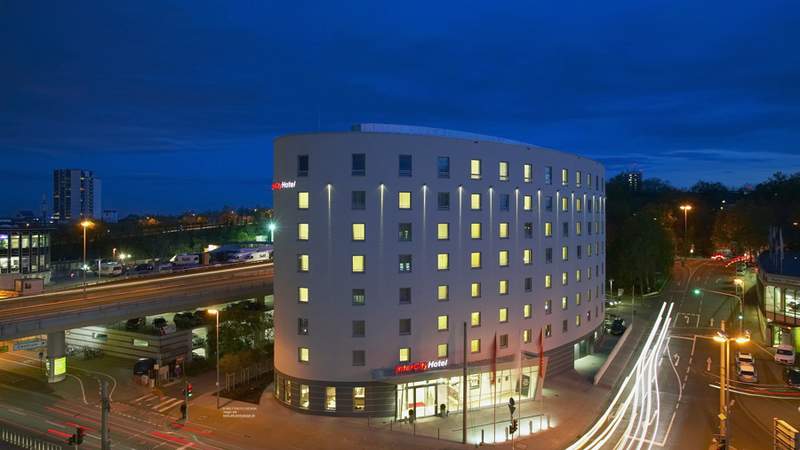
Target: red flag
{"x": 493, "y": 372}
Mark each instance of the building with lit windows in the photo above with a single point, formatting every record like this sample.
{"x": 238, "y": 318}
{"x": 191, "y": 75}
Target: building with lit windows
{"x": 394, "y": 240}
{"x": 24, "y": 252}
{"x": 778, "y": 288}
{"x": 76, "y": 195}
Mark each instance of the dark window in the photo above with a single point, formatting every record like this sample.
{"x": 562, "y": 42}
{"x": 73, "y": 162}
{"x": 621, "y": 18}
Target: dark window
{"x": 564, "y": 325}
{"x": 528, "y": 284}
{"x": 528, "y": 230}
{"x": 443, "y": 201}
{"x": 404, "y": 165}
{"x": 548, "y": 203}
{"x": 405, "y": 326}
{"x": 359, "y": 357}
{"x": 503, "y": 340}
{"x": 443, "y": 166}
{"x": 405, "y": 295}
{"x": 302, "y": 326}
{"x": 404, "y": 232}
{"x": 589, "y": 227}
{"x": 359, "y": 199}
{"x": 359, "y": 296}
{"x": 548, "y": 175}
{"x": 579, "y": 251}
{"x": 405, "y": 263}
{"x": 359, "y": 164}
{"x": 565, "y": 229}
{"x": 589, "y": 205}
{"x": 359, "y": 328}
{"x": 505, "y": 202}
{"x": 548, "y": 255}
{"x": 548, "y": 330}
{"x": 302, "y": 165}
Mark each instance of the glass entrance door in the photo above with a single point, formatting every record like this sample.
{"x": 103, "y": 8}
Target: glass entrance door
{"x": 425, "y": 400}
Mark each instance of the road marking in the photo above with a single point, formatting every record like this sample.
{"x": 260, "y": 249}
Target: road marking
{"x": 146, "y": 396}
{"x": 174, "y": 403}
{"x": 736, "y": 391}
{"x": 83, "y": 392}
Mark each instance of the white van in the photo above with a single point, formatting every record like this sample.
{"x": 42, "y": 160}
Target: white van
{"x": 110, "y": 269}
{"x": 784, "y": 354}
{"x": 185, "y": 260}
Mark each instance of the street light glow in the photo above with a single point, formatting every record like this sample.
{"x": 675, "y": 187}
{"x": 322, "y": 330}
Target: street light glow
{"x": 213, "y": 312}
{"x": 686, "y": 207}
{"x": 87, "y": 224}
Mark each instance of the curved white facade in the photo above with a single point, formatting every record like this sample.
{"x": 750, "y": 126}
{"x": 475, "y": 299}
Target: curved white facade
{"x": 411, "y": 241}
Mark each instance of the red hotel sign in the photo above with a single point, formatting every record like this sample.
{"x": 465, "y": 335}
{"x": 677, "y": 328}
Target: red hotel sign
{"x": 419, "y": 366}
{"x": 278, "y": 185}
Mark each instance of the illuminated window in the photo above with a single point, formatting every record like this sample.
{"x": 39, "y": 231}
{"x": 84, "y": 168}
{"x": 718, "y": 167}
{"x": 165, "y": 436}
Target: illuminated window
{"x": 475, "y": 346}
{"x": 405, "y": 354}
{"x": 564, "y": 253}
{"x": 502, "y": 258}
{"x": 527, "y": 202}
{"x": 475, "y": 319}
{"x": 303, "y": 354}
{"x": 475, "y": 230}
{"x": 578, "y": 299}
{"x": 475, "y": 169}
{"x": 404, "y": 200}
{"x": 564, "y": 303}
{"x": 404, "y": 232}
{"x": 404, "y": 262}
{"x": 302, "y": 231}
{"x": 441, "y": 323}
{"x": 330, "y": 398}
{"x": 578, "y": 230}
{"x": 564, "y": 204}
{"x": 502, "y": 315}
{"x": 359, "y": 398}
{"x": 564, "y": 278}
{"x": 302, "y": 200}
{"x": 443, "y": 261}
{"x": 578, "y": 178}
{"x": 302, "y": 294}
{"x": 548, "y": 306}
{"x": 527, "y": 311}
{"x": 564, "y": 177}
{"x": 359, "y": 297}
{"x": 527, "y": 173}
{"x": 443, "y": 231}
{"x": 359, "y": 231}
{"x": 304, "y": 396}
{"x": 527, "y": 256}
{"x": 442, "y": 292}
{"x": 475, "y": 260}
{"x": 548, "y": 281}
{"x": 548, "y": 229}
{"x": 302, "y": 263}
{"x": 475, "y": 201}
{"x": 441, "y": 351}
{"x": 502, "y": 287}
{"x": 578, "y": 320}
{"x": 578, "y": 205}
{"x": 503, "y": 171}
{"x": 358, "y": 263}
{"x": 548, "y": 330}
{"x": 502, "y": 230}
{"x": 475, "y": 289}
{"x": 578, "y": 276}
{"x": 526, "y": 335}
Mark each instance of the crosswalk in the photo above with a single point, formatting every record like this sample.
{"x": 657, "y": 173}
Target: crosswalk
{"x": 159, "y": 404}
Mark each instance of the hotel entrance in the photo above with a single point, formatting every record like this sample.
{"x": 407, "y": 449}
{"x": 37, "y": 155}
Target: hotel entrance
{"x": 426, "y": 397}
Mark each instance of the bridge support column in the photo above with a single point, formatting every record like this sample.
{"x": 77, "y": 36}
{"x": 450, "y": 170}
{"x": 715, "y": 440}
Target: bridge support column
{"x": 56, "y": 357}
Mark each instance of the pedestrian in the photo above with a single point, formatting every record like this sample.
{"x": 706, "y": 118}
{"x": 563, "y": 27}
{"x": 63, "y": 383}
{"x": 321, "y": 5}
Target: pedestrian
{"x": 708, "y": 364}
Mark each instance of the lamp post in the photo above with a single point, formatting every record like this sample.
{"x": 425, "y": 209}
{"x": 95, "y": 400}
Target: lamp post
{"x": 85, "y": 224}
{"x": 724, "y": 356}
{"x": 271, "y": 228}
{"x": 686, "y": 209}
{"x": 737, "y": 282}
{"x": 215, "y": 312}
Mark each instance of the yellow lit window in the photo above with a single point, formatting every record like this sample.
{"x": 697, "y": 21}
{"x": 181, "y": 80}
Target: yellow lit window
{"x": 578, "y": 276}
{"x": 443, "y": 231}
{"x": 564, "y": 302}
{"x": 578, "y": 205}
{"x": 475, "y": 201}
{"x": 302, "y": 200}
{"x": 441, "y": 323}
{"x": 443, "y": 261}
{"x": 578, "y": 299}
{"x": 359, "y": 231}
{"x": 358, "y": 263}
{"x": 527, "y": 256}
{"x": 475, "y": 290}
{"x": 502, "y": 287}
{"x": 475, "y": 169}
{"x": 502, "y": 258}
{"x": 548, "y": 229}
{"x": 527, "y": 202}
{"x": 475, "y": 319}
{"x": 564, "y": 278}
{"x": 404, "y": 200}
{"x": 475, "y": 260}
{"x": 503, "y": 171}
{"x": 578, "y": 228}
{"x": 578, "y": 320}
{"x": 564, "y": 253}
{"x": 475, "y": 230}
{"x": 475, "y": 345}
{"x": 303, "y": 354}
{"x": 548, "y": 281}
{"x": 564, "y": 204}
{"x": 526, "y": 335}
{"x": 502, "y": 230}
{"x": 442, "y": 292}
{"x": 589, "y": 249}
{"x": 578, "y": 178}
{"x": 302, "y": 263}
{"x": 302, "y": 231}
{"x": 526, "y": 311}
{"x": 441, "y": 351}
{"x": 564, "y": 177}
{"x": 527, "y": 173}
{"x": 503, "y": 315}
{"x": 405, "y": 354}
{"x": 302, "y": 294}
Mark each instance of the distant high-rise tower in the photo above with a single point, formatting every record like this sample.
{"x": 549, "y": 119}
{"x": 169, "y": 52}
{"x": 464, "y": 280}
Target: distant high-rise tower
{"x": 76, "y": 195}
{"x": 634, "y": 179}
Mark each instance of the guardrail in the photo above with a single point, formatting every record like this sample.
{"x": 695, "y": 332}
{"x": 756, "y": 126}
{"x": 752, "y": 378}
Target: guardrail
{"x": 11, "y": 436}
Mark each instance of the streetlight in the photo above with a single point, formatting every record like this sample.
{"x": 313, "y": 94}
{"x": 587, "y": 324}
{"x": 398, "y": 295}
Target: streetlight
{"x": 215, "y": 312}
{"x": 271, "y": 227}
{"x": 739, "y": 283}
{"x": 686, "y": 209}
{"x": 85, "y": 224}
{"x": 724, "y": 356}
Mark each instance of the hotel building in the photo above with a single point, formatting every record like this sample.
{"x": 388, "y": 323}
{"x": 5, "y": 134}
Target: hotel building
{"x": 393, "y": 240}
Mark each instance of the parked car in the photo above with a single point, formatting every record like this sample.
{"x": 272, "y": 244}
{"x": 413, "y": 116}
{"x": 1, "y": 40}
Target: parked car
{"x": 744, "y": 358}
{"x": 784, "y": 354}
{"x": 159, "y": 322}
{"x": 143, "y": 366}
{"x": 617, "y": 327}
{"x": 746, "y": 373}
{"x": 134, "y": 324}
{"x": 142, "y": 268}
{"x": 611, "y": 304}
{"x": 791, "y": 375}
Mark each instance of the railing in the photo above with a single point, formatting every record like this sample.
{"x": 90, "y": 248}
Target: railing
{"x": 17, "y": 439}
{"x": 246, "y": 375}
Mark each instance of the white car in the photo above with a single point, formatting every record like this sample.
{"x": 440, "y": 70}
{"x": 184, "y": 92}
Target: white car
{"x": 746, "y": 373}
{"x": 784, "y": 354}
{"x": 744, "y": 358}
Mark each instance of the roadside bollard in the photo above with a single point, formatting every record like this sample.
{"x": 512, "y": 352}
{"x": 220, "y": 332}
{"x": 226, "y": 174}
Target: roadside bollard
{"x": 482, "y": 441}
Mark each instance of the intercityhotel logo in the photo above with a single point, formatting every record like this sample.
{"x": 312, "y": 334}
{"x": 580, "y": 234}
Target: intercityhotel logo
{"x": 420, "y": 366}
{"x": 278, "y": 185}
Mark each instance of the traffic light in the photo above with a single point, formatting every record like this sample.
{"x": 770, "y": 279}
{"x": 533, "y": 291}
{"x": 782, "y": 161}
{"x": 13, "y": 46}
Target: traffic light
{"x": 71, "y": 440}
{"x": 696, "y": 291}
{"x": 189, "y": 390}
{"x": 513, "y": 428}
{"x": 79, "y": 435}
{"x": 511, "y": 405}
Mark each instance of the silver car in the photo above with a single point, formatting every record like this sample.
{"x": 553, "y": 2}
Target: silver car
{"x": 746, "y": 373}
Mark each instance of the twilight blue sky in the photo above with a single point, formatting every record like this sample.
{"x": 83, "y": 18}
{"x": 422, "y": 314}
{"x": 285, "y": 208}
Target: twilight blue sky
{"x": 175, "y": 104}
